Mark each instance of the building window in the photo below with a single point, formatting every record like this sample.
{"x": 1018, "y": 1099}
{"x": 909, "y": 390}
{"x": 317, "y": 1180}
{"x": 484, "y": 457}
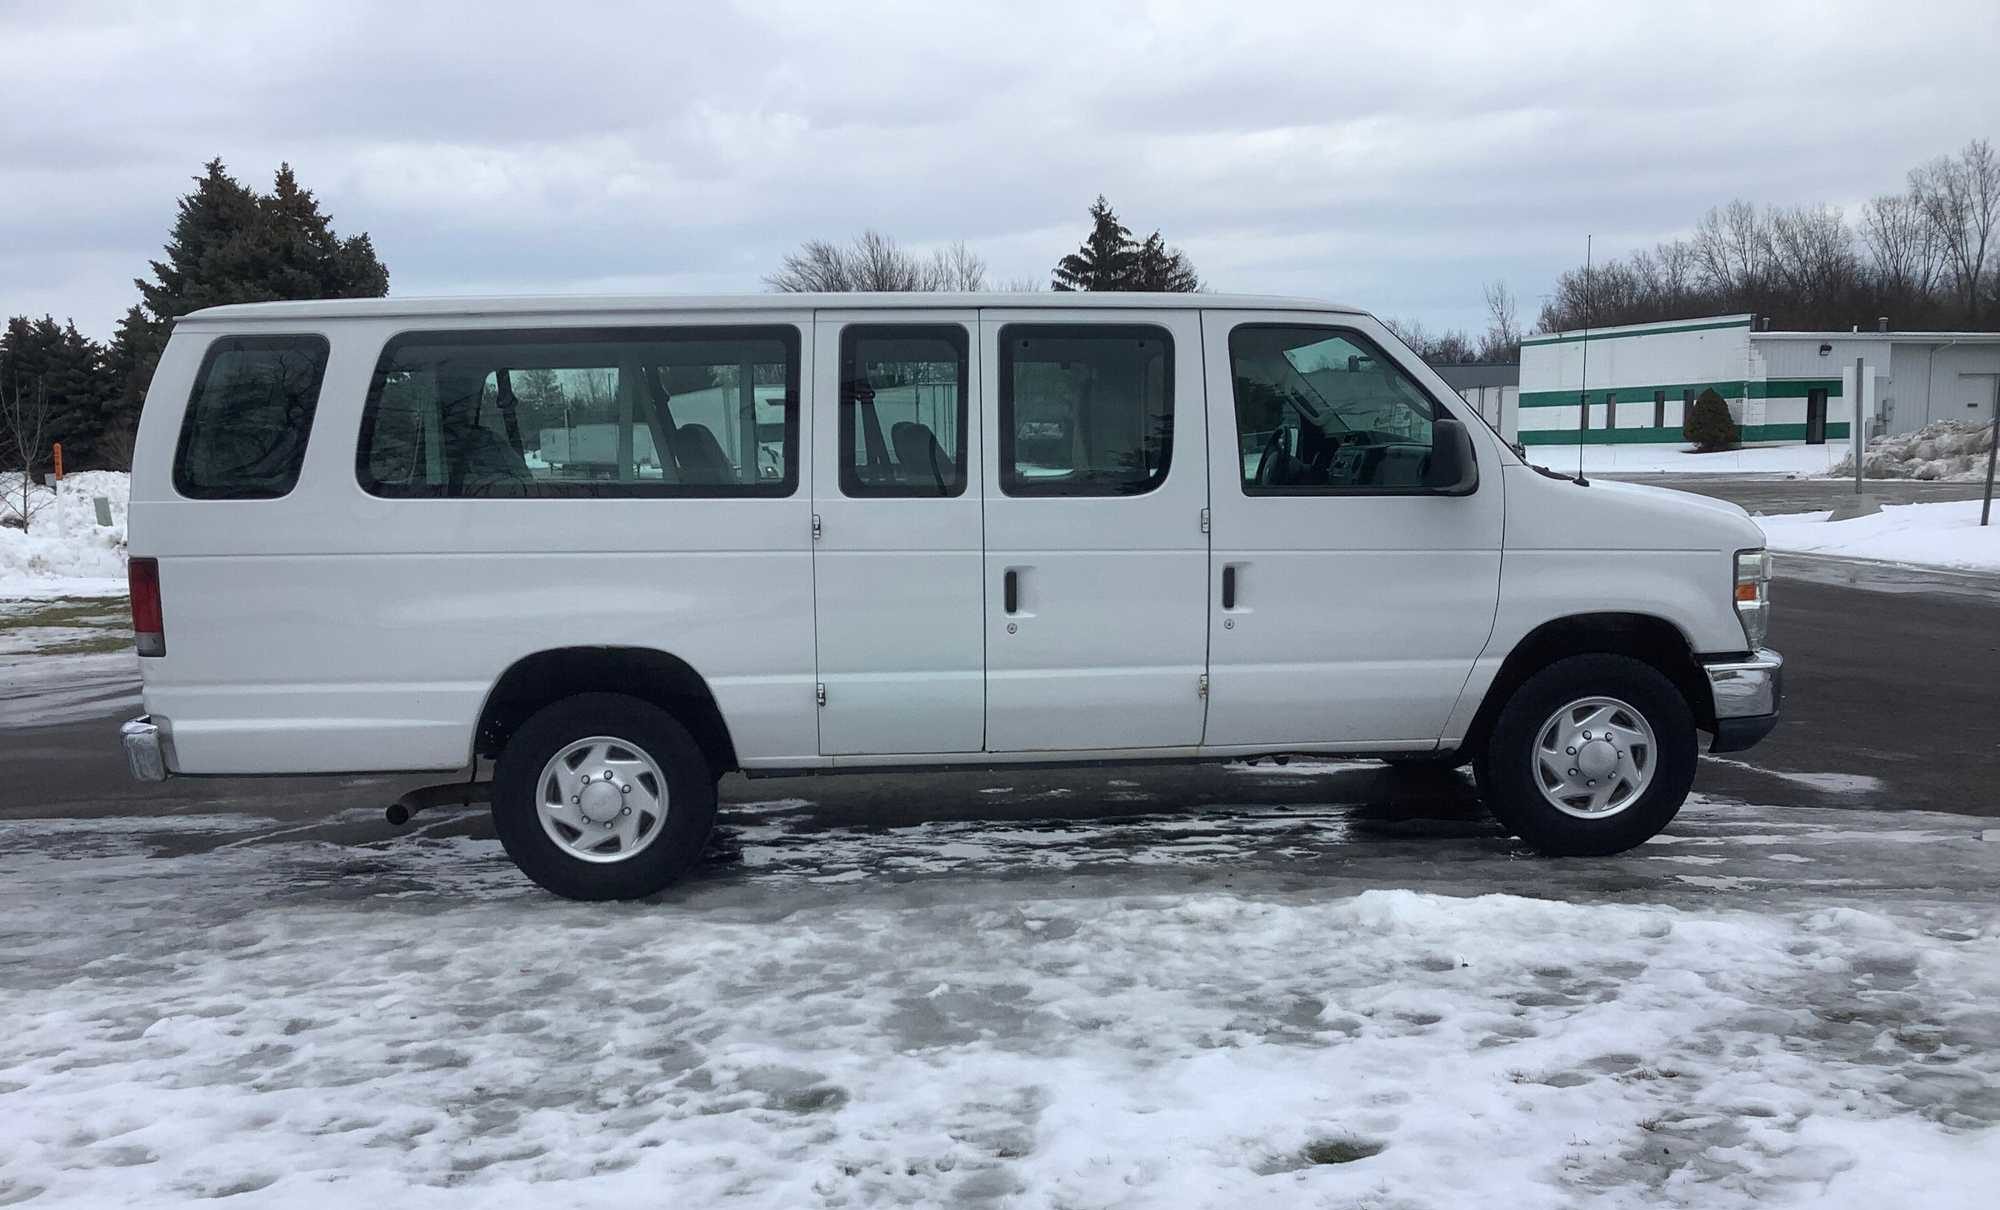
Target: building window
{"x": 1610, "y": 410}
{"x": 1583, "y": 411}
{"x": 581, "y": 412}
{"x": 1659, "y": 409}
{"x": 1085, "y": 409}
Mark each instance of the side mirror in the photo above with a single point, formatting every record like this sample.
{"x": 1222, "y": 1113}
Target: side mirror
{"x": 1453, "y": 470}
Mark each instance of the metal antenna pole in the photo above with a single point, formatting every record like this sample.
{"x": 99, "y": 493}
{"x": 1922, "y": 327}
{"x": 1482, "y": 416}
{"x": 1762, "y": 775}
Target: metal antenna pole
{"x": 1583, "y": 401}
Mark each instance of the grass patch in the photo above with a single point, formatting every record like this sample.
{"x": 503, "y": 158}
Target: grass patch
{"x": 97, "y": 612}
{"x": 101, "y": 645}
{"x": 1344, "y": 1150}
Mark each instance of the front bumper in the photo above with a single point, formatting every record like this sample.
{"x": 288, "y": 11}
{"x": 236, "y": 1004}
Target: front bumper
{"x": 1747, "y": 694}
{"x": 145, "y": 749}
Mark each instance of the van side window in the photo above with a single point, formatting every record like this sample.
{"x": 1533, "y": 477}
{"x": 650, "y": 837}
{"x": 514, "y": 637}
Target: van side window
{"x": 903, "y": 391}
{"x": 1085, "y": 409}
{"x": 567, "y": 412}
{"x": 1323, "y": 410}
{"x": 244, "y": 434}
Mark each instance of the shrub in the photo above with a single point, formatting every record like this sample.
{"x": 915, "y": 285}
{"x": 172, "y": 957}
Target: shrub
{"x": 1710, "y": 426}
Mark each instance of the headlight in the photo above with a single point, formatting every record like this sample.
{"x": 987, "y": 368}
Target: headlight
{"x": 1753, "y": 595}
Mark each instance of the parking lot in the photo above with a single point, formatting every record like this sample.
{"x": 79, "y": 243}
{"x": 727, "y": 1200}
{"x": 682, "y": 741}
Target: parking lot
{"x": 1321, "y": 982}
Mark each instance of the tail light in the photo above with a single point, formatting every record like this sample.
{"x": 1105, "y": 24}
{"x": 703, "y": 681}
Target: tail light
{"x": 149, "y": 627}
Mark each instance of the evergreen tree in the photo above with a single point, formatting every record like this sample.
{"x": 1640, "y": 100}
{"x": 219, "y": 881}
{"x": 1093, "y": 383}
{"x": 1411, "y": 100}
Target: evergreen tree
{"x": 231, "y": 244}
{"x": 1709, "y": 426}
{"x": 1157, "y": 267}
{"x": 1103, "y": 260}
{"x": 1110, "y": 259}
{"x": 70, "y": 368}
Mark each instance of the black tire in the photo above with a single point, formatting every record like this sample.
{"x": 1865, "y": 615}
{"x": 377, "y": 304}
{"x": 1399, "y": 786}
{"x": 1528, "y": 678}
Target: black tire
{"x": 690, "y": 814}
{"x": 1508, "y": 781}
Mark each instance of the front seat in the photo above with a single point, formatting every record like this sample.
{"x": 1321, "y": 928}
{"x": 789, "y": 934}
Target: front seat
{"x": 921, "y": 458}
{"x": 700, "y": 456}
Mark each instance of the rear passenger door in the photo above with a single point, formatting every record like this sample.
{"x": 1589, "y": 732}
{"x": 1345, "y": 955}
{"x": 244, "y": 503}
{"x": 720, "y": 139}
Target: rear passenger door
{"x": 1096, "y": 597}
{"x": 896, "y": 557}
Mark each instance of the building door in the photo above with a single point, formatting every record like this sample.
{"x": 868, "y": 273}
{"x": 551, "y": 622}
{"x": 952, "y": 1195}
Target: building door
{"x": 898, "y": 604}
{"x": 1097, "y": 591}
{"x": 1816, "y": 416}
{"x": 1977, "y": 391}
{"x": 1352, "y": 603}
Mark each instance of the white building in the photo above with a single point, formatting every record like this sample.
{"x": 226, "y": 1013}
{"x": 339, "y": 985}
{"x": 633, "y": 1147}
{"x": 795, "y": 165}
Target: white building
{"x": 1780, "y": 386}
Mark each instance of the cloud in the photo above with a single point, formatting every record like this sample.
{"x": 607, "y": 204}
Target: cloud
{"x": 1393, "y": 158}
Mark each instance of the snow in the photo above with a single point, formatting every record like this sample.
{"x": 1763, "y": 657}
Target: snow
{"x": 86, "y": 559}
{"x": 1948, "y": 451}
{"x": 1936, "y": 534}
{"x": 1678, "y": 458}
{"x": 1076, "y": 1014}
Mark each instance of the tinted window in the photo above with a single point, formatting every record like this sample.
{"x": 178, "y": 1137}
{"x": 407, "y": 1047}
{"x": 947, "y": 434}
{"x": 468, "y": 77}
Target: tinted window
{"x": 584, "y": 412}
{"x": 1324, "y": 410}
{"x": 903, "y": 396}
{"x": 244, "y": 434}
{"x": 1085, "y": 410}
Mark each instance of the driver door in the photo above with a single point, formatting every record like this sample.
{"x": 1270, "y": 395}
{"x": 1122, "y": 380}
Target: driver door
{"x": 1352, "y": 600}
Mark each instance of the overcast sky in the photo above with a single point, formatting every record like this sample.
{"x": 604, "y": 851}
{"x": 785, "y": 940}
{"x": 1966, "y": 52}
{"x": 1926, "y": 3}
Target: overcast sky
{"x": 1390, "y": 155}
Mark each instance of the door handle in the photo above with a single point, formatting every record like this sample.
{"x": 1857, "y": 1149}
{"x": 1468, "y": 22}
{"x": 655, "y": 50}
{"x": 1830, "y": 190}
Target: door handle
{"x": 1010, "y": 591}
{"x": 1228, "y": 586}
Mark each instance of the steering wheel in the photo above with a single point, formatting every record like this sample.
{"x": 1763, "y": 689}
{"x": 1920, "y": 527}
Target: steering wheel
{"x": 1266, "y": 462}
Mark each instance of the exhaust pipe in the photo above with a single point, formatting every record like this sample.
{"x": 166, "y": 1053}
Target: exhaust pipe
{"x": 449, "y": 794}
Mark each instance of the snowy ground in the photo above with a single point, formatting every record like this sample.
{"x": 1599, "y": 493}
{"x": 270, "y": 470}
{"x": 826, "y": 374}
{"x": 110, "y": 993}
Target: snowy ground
{"x": 1769, "y": 1007}
{"x": 1942, "y": 534}
{"x": 1788, "y": 459}
{"x": 79, "y": 558}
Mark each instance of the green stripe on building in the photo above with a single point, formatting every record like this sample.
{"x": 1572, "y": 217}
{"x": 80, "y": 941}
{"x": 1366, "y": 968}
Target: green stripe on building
{"x": 1677, "y": 392}
{"x": 1794, "y": 388}
{"x": 1661, "y": 330}
{"x": 1657, "y": 436}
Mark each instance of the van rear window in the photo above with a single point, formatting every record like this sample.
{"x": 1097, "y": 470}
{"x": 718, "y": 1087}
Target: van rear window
{"x": 568, "y": 412}
{"x": 244, "y": 434}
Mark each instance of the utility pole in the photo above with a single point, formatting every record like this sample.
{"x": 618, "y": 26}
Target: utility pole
{"x": 1992, "y": 452}
{"x": 1859, "y": 435}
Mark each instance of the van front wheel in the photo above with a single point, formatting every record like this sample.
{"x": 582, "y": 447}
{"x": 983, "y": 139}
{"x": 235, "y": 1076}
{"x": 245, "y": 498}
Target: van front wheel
{"x": 603, "y": 796}
{"x": 1590, "y": 756}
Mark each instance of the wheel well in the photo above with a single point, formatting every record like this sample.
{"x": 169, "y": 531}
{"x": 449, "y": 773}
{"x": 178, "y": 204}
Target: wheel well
{"x": 1643, "y": 637}
{"x": 667, "y": 681}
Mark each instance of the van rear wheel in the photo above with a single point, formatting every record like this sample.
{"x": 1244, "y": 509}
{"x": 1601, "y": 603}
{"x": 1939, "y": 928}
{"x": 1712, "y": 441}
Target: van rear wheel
{"x": 603, "y": 796}
{"x": 1593, "y": 755}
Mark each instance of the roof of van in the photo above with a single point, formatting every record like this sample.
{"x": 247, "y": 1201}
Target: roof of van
{"x": 546, "y": 304}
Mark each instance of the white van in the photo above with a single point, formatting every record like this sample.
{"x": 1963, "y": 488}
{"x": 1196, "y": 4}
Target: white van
{"x": 621, "y": 546}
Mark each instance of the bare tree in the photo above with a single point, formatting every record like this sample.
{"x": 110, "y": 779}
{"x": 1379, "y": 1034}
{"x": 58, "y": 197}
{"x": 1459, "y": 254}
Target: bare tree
{"x": 24, "y": 418}
{"x": 873, "y": 261}
{"x": 1809, "y": 255}
{"x": 1729, "y": 246}
{"x": 1961, "y": 198}
{"x": 1439, "y": 349}
{"x": 1502, "y": 342}
{"x": 1902, "y": 245}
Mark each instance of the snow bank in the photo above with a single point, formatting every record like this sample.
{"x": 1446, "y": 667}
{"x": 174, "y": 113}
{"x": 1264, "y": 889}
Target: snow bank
{"x": 1949, "y": 451}
{"x": 1941, "y": 534}
{"x": 1680, "y": 458}
{"x": 87, "y": 560}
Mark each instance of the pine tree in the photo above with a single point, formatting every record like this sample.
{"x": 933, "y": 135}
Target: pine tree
{"x": 1709, "y": 426}
{"x": 231, "y": 244}
{"x": 1110, "y": 259}
{"x": 1103, "y": 261}
{"x": 1160, "y": 268}
{"x": 70, "y": 368}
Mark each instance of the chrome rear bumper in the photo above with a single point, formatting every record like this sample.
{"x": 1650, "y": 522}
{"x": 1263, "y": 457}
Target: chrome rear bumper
{"x": 145, "y": 749}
